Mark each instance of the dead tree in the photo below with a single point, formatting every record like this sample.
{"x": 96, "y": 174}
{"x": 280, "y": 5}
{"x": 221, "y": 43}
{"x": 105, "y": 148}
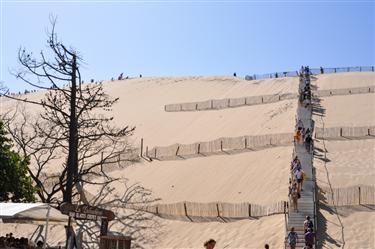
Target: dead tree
{"x": 73, "y": 129}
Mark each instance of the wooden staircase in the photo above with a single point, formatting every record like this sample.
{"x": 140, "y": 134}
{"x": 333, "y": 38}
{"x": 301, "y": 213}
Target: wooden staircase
{"x": 306, "y": 204}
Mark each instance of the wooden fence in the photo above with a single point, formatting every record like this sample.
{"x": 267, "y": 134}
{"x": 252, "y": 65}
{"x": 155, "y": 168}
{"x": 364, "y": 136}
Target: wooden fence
{"x": 217, "y": 104}
{"x": 213, "y": 210}
{"x": 350, "y": 196}
{"x": 344, "y": 91}
{"x": 344, "y": 132}
{"x": 218, "y": 146}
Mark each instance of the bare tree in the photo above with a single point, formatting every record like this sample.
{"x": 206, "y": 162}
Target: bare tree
{"x": 73, "y": 130}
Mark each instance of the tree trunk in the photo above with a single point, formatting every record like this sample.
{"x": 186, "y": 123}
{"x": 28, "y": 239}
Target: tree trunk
{"x": 72, "y": 164}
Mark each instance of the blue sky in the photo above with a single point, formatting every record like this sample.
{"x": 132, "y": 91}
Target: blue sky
{"x": 172, "y": 38}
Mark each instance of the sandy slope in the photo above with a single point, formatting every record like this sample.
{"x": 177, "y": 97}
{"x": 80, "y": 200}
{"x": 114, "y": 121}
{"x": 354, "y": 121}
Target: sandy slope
{"x": 142, "y": 105}
{"x": 344, "y": 80}
{"x": 351, "y": 162}
{"x": 348, "y": 227}
{"x": 258, "y": 177}
{"x": 347, "y": 110}
{"x": 240, "y": 234}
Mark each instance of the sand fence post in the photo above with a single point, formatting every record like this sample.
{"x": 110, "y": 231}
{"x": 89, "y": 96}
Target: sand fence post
{"x": 218, "y": 213}
{"x": 340, "y": 132}
{"x": 359, "y": 195}
{"x": 186, "y": 213}
{"x": 250, "y": 210}
{"x": 178, "y": 148}
{"x": 141, "y": 147}
{"x": 199, "y": 148}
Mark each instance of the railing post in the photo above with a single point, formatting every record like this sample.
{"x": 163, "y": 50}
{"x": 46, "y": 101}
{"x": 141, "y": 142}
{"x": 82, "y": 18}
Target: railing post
{"x": 221, "y": 145}
{"x": 262, "y": 99}
{"x": 199, "y": 148}
{"x": 250, "y": 210}
{"x": 141, "y": 147}
{"x": 341, "y": 132}
{"x": 147, "y": 151}
{"x": 246, "y": 141}
{"x": 155, "y": 152}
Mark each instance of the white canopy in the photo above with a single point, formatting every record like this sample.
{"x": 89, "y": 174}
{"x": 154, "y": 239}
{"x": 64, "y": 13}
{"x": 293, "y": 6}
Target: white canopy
{"x": 34, "y": 213}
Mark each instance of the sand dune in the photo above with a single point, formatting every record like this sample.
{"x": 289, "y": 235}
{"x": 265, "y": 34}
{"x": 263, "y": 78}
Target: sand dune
{"x": 142, "y": 105}
{"x": 344, "y": 80}
{"x": 241, "y": 234}
{"x": 351, "y": 162}
{"x": 256, "y": 177}
{"x": 259, "y": 177}
{"x": 348, "y": 110}
{"x": 347, "y": 227}
{"x": 346, "y": 163}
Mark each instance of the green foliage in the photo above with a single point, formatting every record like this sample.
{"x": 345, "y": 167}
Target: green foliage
{"x": 16, "y": 184}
